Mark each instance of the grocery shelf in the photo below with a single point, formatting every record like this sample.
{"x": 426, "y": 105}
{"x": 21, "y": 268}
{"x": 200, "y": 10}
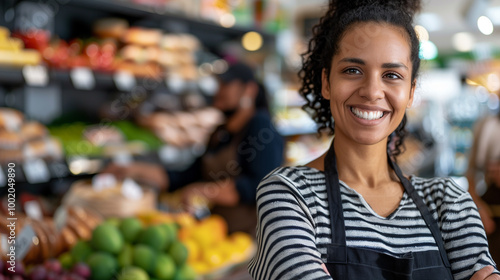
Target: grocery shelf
{"x": 210, "y": 33}
{"x": 13, "y": 76}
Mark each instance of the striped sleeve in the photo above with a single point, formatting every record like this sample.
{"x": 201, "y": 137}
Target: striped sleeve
{"x": 285, "y": 233}
{"x": 463, "y": 233}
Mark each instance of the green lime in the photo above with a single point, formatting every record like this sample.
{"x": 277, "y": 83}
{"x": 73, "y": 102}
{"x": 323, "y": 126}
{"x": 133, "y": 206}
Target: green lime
{"x": 154, "y": 237}
{"x": 102, "y": 265}
{"x": 185, "y": 272}
{"x": 164, "y": 267}
{"x": 171, "y": 232}
{"x": 66, "y": 260}
{"x": 179, "y": 252}
{"x": 144, "y": 257}
{"x": 107, "y": 238}
{"x": 125, "y": 256}
{"x": 80, "y": 251}
{"x": 130, "y": 229}
{"x": 133, "y": 273}
{"x": 113, "y": 221}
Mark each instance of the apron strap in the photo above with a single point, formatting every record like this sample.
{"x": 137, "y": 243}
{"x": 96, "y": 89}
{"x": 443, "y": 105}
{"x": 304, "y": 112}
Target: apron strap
{"x": 424, "y": 210}
{"x": 337, "y": 224}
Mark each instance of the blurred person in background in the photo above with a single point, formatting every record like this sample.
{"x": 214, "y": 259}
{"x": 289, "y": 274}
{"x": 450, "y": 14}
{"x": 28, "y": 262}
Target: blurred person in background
{"x": 239, "y": 154}
{"x": 484, "y": 173}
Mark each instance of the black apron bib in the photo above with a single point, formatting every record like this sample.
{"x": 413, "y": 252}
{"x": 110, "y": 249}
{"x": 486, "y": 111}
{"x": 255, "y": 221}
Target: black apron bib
{"x": 357, "y": 263}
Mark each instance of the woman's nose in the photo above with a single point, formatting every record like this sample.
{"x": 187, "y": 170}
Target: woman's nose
{"x": 372, "y": 89}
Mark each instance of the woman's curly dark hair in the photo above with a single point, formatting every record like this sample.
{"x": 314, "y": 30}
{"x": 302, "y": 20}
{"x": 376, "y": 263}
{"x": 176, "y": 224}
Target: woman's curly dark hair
{"x": 324, "y": 44}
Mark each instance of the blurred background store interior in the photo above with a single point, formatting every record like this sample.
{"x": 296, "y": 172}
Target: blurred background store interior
{"x": 67, "y": 68}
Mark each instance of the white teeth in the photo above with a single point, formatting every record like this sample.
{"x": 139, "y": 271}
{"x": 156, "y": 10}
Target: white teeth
{"x": 372, "y": 115}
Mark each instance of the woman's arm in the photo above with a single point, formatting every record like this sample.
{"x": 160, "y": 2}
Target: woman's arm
{"x": 463, "y": 233}
{"x": 285, "y": 235}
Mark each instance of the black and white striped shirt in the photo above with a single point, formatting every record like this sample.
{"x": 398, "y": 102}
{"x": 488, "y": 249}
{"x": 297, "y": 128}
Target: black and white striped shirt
{"x": 294, "y": 225}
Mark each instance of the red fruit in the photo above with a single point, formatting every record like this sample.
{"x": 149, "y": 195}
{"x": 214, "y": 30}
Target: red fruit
{"x": 53, "y": 265}
{"x": 51, "y": 275}
{"x": 81, "y": 269}
{"x": 39, "y": 272}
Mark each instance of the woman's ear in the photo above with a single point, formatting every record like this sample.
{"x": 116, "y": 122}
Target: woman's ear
{"x": 325, "y": 85}
{"x": 412, "y": 93}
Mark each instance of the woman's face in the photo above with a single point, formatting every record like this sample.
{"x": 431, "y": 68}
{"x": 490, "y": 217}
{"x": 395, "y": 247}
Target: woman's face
{"x": 369, "y": 86}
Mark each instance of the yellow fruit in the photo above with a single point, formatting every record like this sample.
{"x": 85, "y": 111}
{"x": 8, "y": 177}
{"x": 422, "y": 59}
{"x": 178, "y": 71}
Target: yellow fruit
{"x": 213, "y": 258}
{"x": 200, "y": 267}
{"x": 193, "y": 250}
{"x": 185, "y": 220}
{"x": 217, "y": 226}
{"x": 241, "y": 240}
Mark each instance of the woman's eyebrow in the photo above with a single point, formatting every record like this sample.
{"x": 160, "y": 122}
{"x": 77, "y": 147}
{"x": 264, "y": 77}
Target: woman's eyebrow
{"x": 384, "y": 65}
{"x": 394, "y": 65}
{"x": 353, "y": 60}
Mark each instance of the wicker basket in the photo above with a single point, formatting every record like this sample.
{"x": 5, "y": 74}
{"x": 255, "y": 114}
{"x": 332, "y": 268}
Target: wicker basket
{"x": 109, "y": 202}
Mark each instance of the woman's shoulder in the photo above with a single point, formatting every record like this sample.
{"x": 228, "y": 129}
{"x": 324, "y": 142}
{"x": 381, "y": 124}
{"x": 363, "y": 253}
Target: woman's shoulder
{"x": 443, "y": 188}
{"x": 296, "y": 175}
{"x": 300, "y": 179}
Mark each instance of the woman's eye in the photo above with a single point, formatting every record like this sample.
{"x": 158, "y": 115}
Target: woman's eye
{"x": 392, "y": 76}
{"x": 352, "y": 71}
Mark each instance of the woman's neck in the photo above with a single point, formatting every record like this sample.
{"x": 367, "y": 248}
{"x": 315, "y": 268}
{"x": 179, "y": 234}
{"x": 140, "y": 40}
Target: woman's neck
{"x": 362, "y": 165}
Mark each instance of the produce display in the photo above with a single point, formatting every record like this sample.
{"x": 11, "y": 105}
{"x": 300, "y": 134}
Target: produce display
{"x": 21, "y": 140}
{"x": 13, "y": 53}
{"x": 129, "y": 249}
{"x": 80, "y": 139}
{"x": 142, "y": 52}
{"x": 111, "y": 198}
{"x": 212, "y": 251}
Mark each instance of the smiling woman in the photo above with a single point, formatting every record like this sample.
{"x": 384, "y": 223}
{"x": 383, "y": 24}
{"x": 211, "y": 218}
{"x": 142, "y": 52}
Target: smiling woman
{"x": 351, "y": 213}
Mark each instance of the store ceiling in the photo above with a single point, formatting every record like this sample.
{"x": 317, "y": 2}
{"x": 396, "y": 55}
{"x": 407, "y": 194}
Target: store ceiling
{"x": 452, "y": 15}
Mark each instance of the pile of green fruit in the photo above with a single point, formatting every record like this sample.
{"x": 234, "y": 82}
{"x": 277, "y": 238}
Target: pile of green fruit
{"x": 127, "y": 250}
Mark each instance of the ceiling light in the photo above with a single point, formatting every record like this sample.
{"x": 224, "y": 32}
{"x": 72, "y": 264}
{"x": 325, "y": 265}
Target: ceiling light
{"x": 463, "y": 42}
{"x": 252, "y": 41}
{"x": 422, "y": 33}
{"x": 485, "y": 25}
{"x": 227, "y": 20}
{"x": 428, "y": 50}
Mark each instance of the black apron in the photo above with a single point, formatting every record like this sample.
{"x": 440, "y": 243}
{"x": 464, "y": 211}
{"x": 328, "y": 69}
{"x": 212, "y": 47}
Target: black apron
{"x": 358, "y": 263}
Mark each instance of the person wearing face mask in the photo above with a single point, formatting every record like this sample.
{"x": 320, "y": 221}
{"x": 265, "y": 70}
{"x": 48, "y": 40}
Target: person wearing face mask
{"x": 239, "y": 153}
{"x": 352, "y": 213}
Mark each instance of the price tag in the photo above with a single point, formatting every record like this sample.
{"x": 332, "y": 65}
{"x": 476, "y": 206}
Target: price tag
{"x": 36, "y": 75}
{"x": 124, "y": 81}
{"x": 169, "y": 154}
{"x": 33, "y": 210}
{"x": 122, "y": 158}
{"x": 82, "y": 78}
{"x": 60, "y": 218}
{"x": 103, "y": 181}
{"x": 131, "y": 190}
{"x": 176, "y": 83}
{"x": 3, "y": 179}
{"x": 24, "y": 241}
{"x": 36, "y": 171}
